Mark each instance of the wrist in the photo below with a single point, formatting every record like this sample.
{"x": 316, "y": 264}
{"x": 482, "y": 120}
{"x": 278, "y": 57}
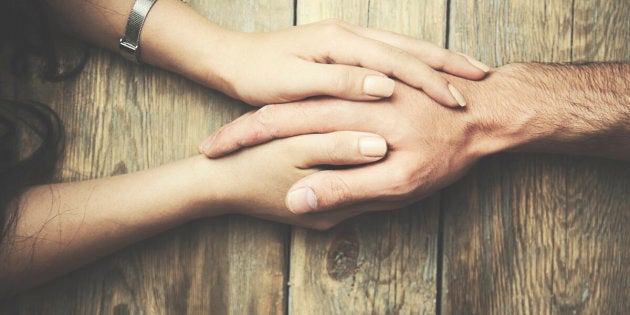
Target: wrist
{"x": 206, "y": 187}
{"x": 194, "y": 48}
{"x": 502, "y": 111}
{"x": 565, "y": 109}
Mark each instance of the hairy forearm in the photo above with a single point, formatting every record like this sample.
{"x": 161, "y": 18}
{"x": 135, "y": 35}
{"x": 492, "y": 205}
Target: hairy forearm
{"x": 63, "y": 226}
{"x": 570, "y": 109}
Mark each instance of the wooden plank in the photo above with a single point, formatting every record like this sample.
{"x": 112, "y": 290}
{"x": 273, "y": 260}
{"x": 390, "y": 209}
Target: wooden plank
{"x": 421, "y": 19}
{"x": 592, "y": 271}
{"x": 122, "y": 117}
{"x": 500, "y": 220}
{"x": 601, "y": 30}
{"x": 384, "y": 263}
{"x": 498, "y": 236}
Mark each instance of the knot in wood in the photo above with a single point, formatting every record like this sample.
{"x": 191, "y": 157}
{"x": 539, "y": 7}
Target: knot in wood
{"x": 343, "y": 253}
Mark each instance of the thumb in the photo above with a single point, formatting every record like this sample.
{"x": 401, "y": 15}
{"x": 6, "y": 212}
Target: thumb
{"x": 346, "y": 82}
{"x": 330, "y": 189}
{"x": 339, "y": 148}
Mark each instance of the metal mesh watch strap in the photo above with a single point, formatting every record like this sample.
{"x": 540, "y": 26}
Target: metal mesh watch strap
{"x": 130, "y": 41}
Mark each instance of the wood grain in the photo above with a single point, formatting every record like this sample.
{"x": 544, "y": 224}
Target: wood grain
{"x": 522, "y": 233}
{"x": 498, "y": 236}
{"x": 420, "y": 19}
{"x": 122, "y": 117}
{"x": 378, "y": 263}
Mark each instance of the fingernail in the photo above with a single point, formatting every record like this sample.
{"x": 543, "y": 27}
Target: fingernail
{"x": 206, "y": 145}
{"x": 302, "y": 200}
{"x": 378, "y": 86}
{"x": 476, "y": 63}
{"x": 457, "y": 95}
{"x": 372, "y": 146}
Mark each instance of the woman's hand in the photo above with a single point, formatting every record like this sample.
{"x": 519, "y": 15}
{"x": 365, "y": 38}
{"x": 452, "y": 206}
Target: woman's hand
{"x": 255, "y": 181}
{"x": 325, "y": 58}
{"x": 63, "y": 226}
{"x": 330, "y": 58}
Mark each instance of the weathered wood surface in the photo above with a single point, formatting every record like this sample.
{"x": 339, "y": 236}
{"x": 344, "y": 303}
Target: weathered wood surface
{"x": 519, "y": 234}
{"x": 378, "y": 263}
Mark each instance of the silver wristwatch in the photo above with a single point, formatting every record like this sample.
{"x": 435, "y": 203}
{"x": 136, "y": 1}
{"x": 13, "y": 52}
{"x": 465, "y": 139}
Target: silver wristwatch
{"x": 130, "y": 41}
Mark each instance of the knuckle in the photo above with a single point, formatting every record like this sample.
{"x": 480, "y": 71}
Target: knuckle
{"x": 265, "y": 121}
{"x": 265, "y": 111}
{"x": 436, "y": 80}
{"x": 432, "y": 80}
{"x": 404, "y": 182}
{"x": 441, "y": 59}
{"x": 338, "y": 153}
{"x": 331, "y": 35}
{"x": 446, "y": 57}
{"x": 342, "y": 81}
{"x": 398, "y": 60}
{"x": 331, "y": 27}
{"x": 221, "y": 135}
{"x": 338, "y": 191}
{"x": 398, "y": 54}
{"x": 333, "y": 156}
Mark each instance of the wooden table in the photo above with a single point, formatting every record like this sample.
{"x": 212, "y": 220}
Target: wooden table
{"x": 522, "y": 233}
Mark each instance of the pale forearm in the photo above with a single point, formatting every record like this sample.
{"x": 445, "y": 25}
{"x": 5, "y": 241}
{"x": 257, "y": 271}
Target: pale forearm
{"x": 63, "y": 226}
{"x": 173, "y": 33}
{"x": 275, "y": 67}
{"x": 570, "y": 109}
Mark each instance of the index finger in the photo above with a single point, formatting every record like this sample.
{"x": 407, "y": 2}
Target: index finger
{"x": 433, "y": 55}
{"x": 281, "y": 121}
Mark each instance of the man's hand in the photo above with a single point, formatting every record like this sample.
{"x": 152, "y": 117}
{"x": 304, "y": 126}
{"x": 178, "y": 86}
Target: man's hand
{"x": 429, "y": 147}
{"x": 527, "y": 107}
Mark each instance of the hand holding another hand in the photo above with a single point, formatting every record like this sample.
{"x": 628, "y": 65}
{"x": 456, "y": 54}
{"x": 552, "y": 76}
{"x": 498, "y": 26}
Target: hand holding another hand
{"x": 254, "y": 181}
{"x": 329, "y": 58}
{"x": 429, "y": 147}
